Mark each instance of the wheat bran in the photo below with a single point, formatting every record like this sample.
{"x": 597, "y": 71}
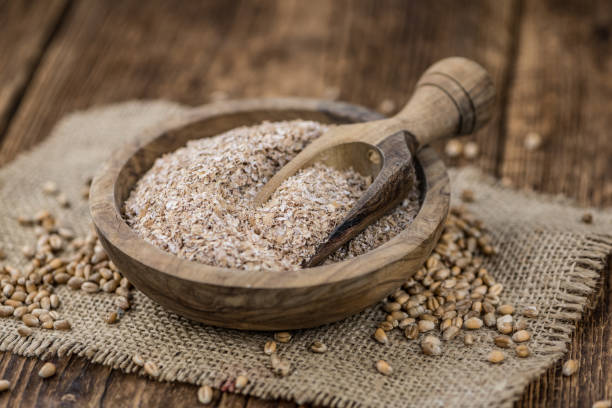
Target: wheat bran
{"x": 197, "y": 202}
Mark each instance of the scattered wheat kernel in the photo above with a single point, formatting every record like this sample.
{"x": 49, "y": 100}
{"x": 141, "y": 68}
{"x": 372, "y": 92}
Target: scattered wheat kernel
{"x": 13, "y": 303}
{"x": 54, "y": 301}
{"x": 28, "y": 251}
{"x": 446, "y": 324}
{"x": 496, "y": 289}
{"x": 430, "y": 345}
{"x": 75, "y": 282}
{"x": 4, "y": 385}
{"x": 62, "y": 325}
{"x": 533, "y": 141}
{"x": 471, "y": 150}
{"x": 50, "y": 187}
{"x": 473, "y": 323}
{"x": 47, "y": 370}
{"x": 6, "y": 311}
{"x": 30, "y": 320}
{"x": 68, "y": 398}
{"x": 587, "y": 218}
{"x": 112, "y": 318}
{"x": 602, "y": 404}
{"x": 45, "y": 317}
{"x": 25, "y": 221}
{"x": 24, "y": 331}
{"x": 241, "y": 381}
{"x": 521, "y": 336}
{"x": 270, "y": 347}
{"x": 318, "y": 347}
{"x": 280, "y": 366}
{"x": 90, "y": 287}
{"x": 570, "y": 367}
{"x": 406, "y": 322}
{"x": 503, "y": 341}
{"x": 56, "y": 242}
{"x": 402, "y": 298}
{"x": 519, "y": 325}
{"x": 496, "y": 356}
{"x": 383, "y": 367}
{"x": 386, "y": 107}
{"x": 426, "y": 325}
{"x": 138, "y": 360}
{"x": 42, "y": 215}
{"x": 398, "y": 315}
{"x": 505, "y": 309}
{"x": 453, "y": 148}
{"x": 467, "y": 196}
{"x": 122, "y": 302}
{"x": 489, "y": 319}
{"x": 282, "y": 337}
{"x": 530, "y": 311}
{"x": 392, "y": 307}
{"x": 380, "y": 336}
{"x": 65, "y": 233}
{"x": 450, "y": 333}
{"x": 522, "y": 350}
{"x": 387, "y": 326}
{"x": 151, "y": 368}
{"x": 63, "y": 201}
{"x": 55, "y": 263}
{"x": 468, "y": 339}
{"x": 504, "y": 324}
{"x": 411, "y": 332}
{"x": 205, "y": 394}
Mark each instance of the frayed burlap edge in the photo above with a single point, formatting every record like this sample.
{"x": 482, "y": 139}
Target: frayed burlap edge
{"x": 583, "y": 278}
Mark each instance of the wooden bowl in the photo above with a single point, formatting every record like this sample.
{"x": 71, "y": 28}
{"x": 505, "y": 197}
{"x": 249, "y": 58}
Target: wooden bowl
{"x": 272, "y": 300}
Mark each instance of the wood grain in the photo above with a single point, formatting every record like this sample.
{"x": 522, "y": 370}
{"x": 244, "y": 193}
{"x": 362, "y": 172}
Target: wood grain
{"x": 591, "y": 345}
{"x": 561, "y": 89}
{"x": 361, "y": 51}
{"x": 79, "y": 383}
{"x": 27, "y": 29}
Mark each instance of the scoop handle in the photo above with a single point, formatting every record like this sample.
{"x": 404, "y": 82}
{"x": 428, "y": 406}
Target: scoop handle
{"x": 455, "y": 96}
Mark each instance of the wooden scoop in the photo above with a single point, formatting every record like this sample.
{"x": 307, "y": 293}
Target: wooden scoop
{"x": 454, "y": 96}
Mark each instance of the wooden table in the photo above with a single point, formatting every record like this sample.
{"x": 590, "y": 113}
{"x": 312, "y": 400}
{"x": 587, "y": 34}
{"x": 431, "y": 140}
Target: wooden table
{"x": 551, "y": 61}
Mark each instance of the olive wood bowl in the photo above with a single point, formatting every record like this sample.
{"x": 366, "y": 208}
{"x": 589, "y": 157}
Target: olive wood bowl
{"x": 272, "y": 300}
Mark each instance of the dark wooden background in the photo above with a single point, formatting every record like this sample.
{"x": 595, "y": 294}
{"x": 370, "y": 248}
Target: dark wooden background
{"x": 551, "y": 61}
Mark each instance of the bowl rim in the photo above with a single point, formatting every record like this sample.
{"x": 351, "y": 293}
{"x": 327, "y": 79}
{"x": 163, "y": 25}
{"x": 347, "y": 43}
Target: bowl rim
{"x": 109, "y": 221}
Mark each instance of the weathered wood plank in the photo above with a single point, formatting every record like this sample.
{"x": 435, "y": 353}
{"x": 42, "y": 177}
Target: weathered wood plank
{"x": 365, "y": 51}
{"x": 591, "y": 345}
{"x": 27, "y": 27}
{"x": 561, "y": 90}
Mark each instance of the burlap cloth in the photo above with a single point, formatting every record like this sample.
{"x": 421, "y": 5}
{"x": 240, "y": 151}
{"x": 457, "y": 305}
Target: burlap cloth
{"x": 547, "y": 257}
